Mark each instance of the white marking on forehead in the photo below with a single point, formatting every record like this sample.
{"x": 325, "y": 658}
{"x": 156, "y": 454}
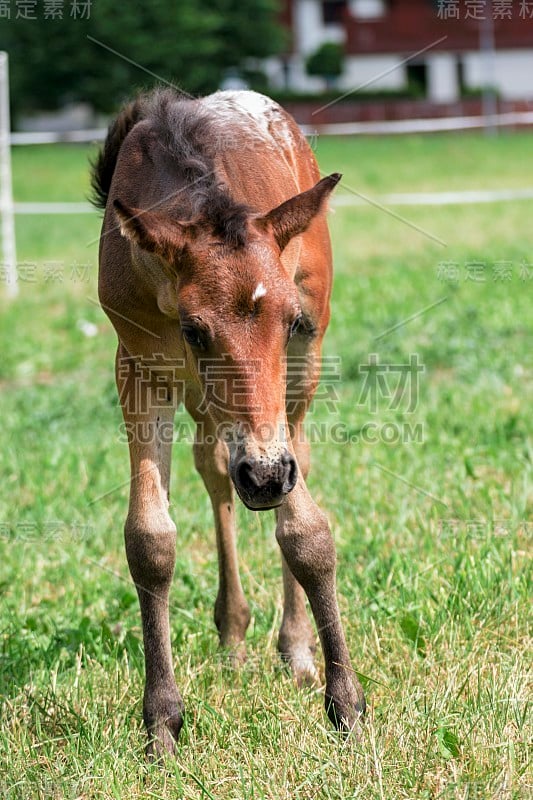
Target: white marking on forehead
{"x": 259, "y": 291}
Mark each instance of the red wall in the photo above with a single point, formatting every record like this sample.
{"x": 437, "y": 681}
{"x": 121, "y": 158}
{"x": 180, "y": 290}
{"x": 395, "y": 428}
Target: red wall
{"x": 411, "y": 25}
{"x": 376, "y": 111}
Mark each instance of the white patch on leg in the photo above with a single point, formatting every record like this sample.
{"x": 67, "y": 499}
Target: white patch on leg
{"x": 259, "y": 291}
{"x": 303, "y": 667}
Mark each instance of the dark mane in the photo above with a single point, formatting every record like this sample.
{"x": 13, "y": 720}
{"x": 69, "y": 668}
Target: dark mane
{"x": 189, "y": 135}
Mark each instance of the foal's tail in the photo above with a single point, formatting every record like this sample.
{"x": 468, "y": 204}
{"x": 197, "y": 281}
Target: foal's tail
{"x": 103, "y": 166}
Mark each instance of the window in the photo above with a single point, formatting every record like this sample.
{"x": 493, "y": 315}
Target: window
{"x": 417, "y": 78}
{"x": 333, "y": 11}
{"x": 369, "y": 9}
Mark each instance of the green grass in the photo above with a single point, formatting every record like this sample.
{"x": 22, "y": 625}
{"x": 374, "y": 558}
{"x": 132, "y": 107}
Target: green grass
{"x": 433, "y": 536}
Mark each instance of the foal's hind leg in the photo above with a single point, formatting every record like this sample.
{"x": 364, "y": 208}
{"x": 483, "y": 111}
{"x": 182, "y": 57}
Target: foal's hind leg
{"x": 232, "y": 615}
{"x": 150, "y": 547}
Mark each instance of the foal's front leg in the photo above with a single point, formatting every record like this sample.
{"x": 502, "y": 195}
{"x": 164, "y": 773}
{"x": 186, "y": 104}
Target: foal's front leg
{"x": 307, "y": 545}
{"x": 150, "y": 547}
{"x": 297, "y": 640}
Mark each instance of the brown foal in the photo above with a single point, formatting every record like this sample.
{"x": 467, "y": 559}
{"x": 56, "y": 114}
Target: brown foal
{"x": 215, "y": 271}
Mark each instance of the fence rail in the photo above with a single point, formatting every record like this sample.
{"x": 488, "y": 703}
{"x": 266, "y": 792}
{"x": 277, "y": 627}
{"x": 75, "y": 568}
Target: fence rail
{"x": 58, "y": 137}
{"x": 430, "y": 125}
{"x": 338, "y": 201}
{"x": 382, "y": 128}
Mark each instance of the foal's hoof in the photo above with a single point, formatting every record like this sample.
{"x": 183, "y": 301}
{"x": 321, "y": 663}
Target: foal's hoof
{"x": 163, "y": 732}
{"x": 345, "y": 707}
{"x": 233, "y": 653}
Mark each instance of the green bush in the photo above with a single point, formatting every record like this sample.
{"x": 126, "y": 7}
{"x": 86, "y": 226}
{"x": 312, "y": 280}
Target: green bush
{"x": 326, "y": 62}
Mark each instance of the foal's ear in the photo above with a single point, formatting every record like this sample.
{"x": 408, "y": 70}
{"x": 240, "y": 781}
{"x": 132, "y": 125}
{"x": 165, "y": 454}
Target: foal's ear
{"x": 295, "y": 215}
{"x": 154, "y": 231}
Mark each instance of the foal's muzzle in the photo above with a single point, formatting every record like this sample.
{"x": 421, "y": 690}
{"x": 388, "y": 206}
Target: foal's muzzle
{"x": 262, "y": 483}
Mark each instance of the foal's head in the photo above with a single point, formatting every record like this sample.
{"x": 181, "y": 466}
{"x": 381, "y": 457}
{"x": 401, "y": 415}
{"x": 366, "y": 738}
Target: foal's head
{"x": 237, "y": 309}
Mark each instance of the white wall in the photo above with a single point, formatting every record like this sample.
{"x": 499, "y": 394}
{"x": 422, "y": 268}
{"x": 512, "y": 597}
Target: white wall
{"x": 443, "y": 77}
{"x": 512, "y": 72}
{"x": 300, "y": 81}
{"x": 377, "y": 72}
{"x": 310, "y": 31}
{"x": 358, "y": 70}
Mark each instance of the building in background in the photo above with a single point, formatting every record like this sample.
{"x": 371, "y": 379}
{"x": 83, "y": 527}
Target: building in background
{"x": 378, "y": 35}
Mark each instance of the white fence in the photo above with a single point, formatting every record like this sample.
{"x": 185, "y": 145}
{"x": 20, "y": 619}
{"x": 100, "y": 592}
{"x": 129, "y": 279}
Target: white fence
{"x": 379, "y": 128}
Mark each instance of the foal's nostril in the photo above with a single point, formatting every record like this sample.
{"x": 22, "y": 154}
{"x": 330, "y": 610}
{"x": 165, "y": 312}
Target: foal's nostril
{"x": 245, "y": 476}
{"x": 291, "y": 472}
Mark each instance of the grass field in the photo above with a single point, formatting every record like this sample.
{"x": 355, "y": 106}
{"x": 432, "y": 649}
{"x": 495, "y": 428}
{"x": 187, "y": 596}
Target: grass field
{"x": 433, "y": 530}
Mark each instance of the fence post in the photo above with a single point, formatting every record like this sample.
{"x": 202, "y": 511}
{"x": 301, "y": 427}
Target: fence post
{"x": 6, "y": 188}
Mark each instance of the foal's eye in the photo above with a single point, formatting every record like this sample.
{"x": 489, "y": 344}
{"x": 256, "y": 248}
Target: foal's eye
{"x": 194, "y": 337}
{"x": 295, "y": 325}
